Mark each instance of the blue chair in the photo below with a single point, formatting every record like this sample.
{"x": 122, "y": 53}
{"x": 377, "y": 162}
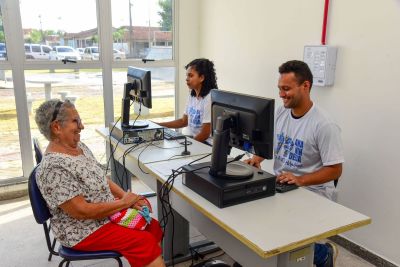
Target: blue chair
{"x": 42, "y": 215}
{"x": 38, "y": 150}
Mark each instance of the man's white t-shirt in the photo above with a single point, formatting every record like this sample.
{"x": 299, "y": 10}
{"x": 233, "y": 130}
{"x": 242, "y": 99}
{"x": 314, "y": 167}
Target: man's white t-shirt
{"x": 198, "y": 111}
{"x": 304, "y": 145}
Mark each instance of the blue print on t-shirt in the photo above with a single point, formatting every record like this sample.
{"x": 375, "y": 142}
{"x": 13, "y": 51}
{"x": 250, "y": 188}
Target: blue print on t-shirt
{"x": 194, "y": 117}
{"x": 292, "y": 150}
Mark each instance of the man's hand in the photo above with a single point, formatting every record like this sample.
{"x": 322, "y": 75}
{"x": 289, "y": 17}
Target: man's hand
{"x": 289, "y": 178}
{"x": 254, "y": 161}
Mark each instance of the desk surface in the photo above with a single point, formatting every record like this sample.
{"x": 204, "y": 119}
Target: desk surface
{"x": 276, "y": 224}
{"x": 268, "y": 226}
{"x": 159, "y": 150}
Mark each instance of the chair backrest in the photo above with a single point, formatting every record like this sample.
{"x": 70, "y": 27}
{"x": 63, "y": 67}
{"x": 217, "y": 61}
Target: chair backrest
{"x": 38, "y": 150}
{"x": 39, "y": 207}
{"x": 335, "y": 182}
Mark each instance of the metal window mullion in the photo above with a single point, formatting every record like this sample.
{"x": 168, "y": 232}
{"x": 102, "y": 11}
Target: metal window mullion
{"x": 16, "y": 56}
{"x": 104, "y": 24}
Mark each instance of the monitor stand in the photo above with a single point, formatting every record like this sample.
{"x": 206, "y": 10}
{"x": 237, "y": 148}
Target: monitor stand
{"x": 136, "y": 125}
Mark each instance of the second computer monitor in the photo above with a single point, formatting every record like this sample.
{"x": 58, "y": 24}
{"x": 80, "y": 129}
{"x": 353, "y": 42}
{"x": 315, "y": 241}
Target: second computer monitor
{"x": 242, "y": 121}
{"x": 137, "y": 89}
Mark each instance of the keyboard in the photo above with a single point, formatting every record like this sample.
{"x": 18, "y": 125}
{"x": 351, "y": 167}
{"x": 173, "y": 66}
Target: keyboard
{"x": 170, "y": 134}
{"x": 282, "y": 187}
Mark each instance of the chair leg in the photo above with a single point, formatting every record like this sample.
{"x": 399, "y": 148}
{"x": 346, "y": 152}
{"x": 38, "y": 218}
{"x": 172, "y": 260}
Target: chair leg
{"x": 119, "y": 261}
{"x": 62, "y": 263}
{"x": 52, "y": 248}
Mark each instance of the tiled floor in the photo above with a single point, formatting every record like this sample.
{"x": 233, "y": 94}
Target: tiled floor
{"x": 22, "y": 240}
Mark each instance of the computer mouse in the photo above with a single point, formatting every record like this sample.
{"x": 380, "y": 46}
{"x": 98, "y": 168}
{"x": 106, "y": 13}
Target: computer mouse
{"x": 216, "y": 263}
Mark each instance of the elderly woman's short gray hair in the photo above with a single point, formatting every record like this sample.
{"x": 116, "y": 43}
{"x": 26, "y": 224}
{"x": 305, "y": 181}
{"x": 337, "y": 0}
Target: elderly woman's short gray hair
{"x": 46, "y": 111}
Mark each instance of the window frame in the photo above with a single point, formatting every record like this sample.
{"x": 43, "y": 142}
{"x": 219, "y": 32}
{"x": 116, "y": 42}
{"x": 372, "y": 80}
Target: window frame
{"x": 17, "y": 63}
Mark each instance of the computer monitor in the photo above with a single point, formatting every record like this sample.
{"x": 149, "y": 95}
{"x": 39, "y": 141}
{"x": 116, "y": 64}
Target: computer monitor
{"x": 242, "y": 121}
{"x": 137, "y": 89}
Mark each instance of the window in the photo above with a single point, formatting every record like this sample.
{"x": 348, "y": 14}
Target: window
{"x": 36, "y": 48}
{"x": 138, "y": 24}
{"x": 52, "y": 34}
{"x": 45, "y": 22}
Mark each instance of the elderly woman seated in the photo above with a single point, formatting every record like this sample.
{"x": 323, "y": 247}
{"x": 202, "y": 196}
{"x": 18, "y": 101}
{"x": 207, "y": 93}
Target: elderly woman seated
{"x": 81, "y": 198}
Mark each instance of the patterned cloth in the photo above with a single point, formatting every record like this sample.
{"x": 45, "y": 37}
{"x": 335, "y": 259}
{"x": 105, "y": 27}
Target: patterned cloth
{"x": 133, "y": 218}
{"x": 61, "y": 177}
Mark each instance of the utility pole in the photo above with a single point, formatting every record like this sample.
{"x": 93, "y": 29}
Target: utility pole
{"x": 130, "y": 30}
{"x": 41, "y": 29}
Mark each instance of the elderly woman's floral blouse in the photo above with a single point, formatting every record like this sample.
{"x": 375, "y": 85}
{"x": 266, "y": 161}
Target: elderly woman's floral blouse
{"x": 61, "y": 177}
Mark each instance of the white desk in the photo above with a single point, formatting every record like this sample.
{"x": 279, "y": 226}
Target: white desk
{"x": 274, "y": 231}
{"x": 256, "y": 232}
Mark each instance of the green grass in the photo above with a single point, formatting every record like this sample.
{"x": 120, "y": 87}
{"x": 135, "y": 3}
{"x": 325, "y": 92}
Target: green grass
{"x": 91, "y": 110}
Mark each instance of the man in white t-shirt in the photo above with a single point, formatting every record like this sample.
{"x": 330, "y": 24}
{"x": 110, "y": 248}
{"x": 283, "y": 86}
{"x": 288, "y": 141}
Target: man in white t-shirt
{"x": 307, "y": 145}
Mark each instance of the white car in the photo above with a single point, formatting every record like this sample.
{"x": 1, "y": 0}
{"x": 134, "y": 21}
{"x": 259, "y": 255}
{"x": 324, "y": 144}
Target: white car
{"x": 80, "y": 50}
{"x": 64, "y": 52}
{"x": 37, "y": 51}
{"x": 118, "y": 55}
{"x": 159, "y": 53}
{"x": 91, "y": 53}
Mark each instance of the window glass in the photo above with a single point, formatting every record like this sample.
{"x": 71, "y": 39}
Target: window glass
{"x": 10, "y": 152}
{"x": 162, "y": 91}
{"x": 3, "y": 50}
{"x": 46, "y": 49}
{"x": 137, "y": 25}
{"x": 44, "y": 22}
{"x": 36, "y": 48}
{"x": 84, "y": 88}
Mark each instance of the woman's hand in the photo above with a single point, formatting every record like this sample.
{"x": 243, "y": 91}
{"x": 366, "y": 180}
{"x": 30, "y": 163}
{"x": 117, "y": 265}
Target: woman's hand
{"x": 142, "y": 202}
{"x": 129, "y": 199}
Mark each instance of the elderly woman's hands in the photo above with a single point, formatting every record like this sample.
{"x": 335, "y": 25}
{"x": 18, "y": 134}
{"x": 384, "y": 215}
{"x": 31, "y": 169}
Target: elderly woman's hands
{"x": 135, "y": 201}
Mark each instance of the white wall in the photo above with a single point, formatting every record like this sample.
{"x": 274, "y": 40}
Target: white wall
{"x": 248, "y": 40}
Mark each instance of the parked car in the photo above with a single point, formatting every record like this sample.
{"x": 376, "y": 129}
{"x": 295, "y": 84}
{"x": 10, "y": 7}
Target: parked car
{"x": 37, "y": 51}
{"x": 3, "y": 51}
{"x": 159, "y": 52}
{"x": 80, "y": 50}
{"x": 118, "y": 55}
{"x": 91, "y": 53}
{"x": 64, "y": 52}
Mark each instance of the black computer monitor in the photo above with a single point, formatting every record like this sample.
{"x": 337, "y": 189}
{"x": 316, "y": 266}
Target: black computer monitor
{"x": 137, "y": 89}
{"x": 242, "y": 121}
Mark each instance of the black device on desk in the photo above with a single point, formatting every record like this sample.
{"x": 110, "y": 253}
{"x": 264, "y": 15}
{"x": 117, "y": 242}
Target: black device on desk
{"x": 285, "y": 187}
{"x": 170, "y": 134}
{"x": 244, "y": 122}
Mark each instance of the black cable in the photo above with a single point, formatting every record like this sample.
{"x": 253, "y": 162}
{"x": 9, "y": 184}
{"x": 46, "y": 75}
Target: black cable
{"x": 165, "y": 189}
{"x": 112, "y": 150}
{"x": 138, "y": 161}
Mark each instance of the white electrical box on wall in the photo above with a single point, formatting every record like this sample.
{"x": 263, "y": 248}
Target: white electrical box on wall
{"x": 322, "y": 61}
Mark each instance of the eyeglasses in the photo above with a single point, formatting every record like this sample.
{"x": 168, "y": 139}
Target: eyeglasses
{"x": 56, "y": 110}
{"x": 78, "y": 122}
